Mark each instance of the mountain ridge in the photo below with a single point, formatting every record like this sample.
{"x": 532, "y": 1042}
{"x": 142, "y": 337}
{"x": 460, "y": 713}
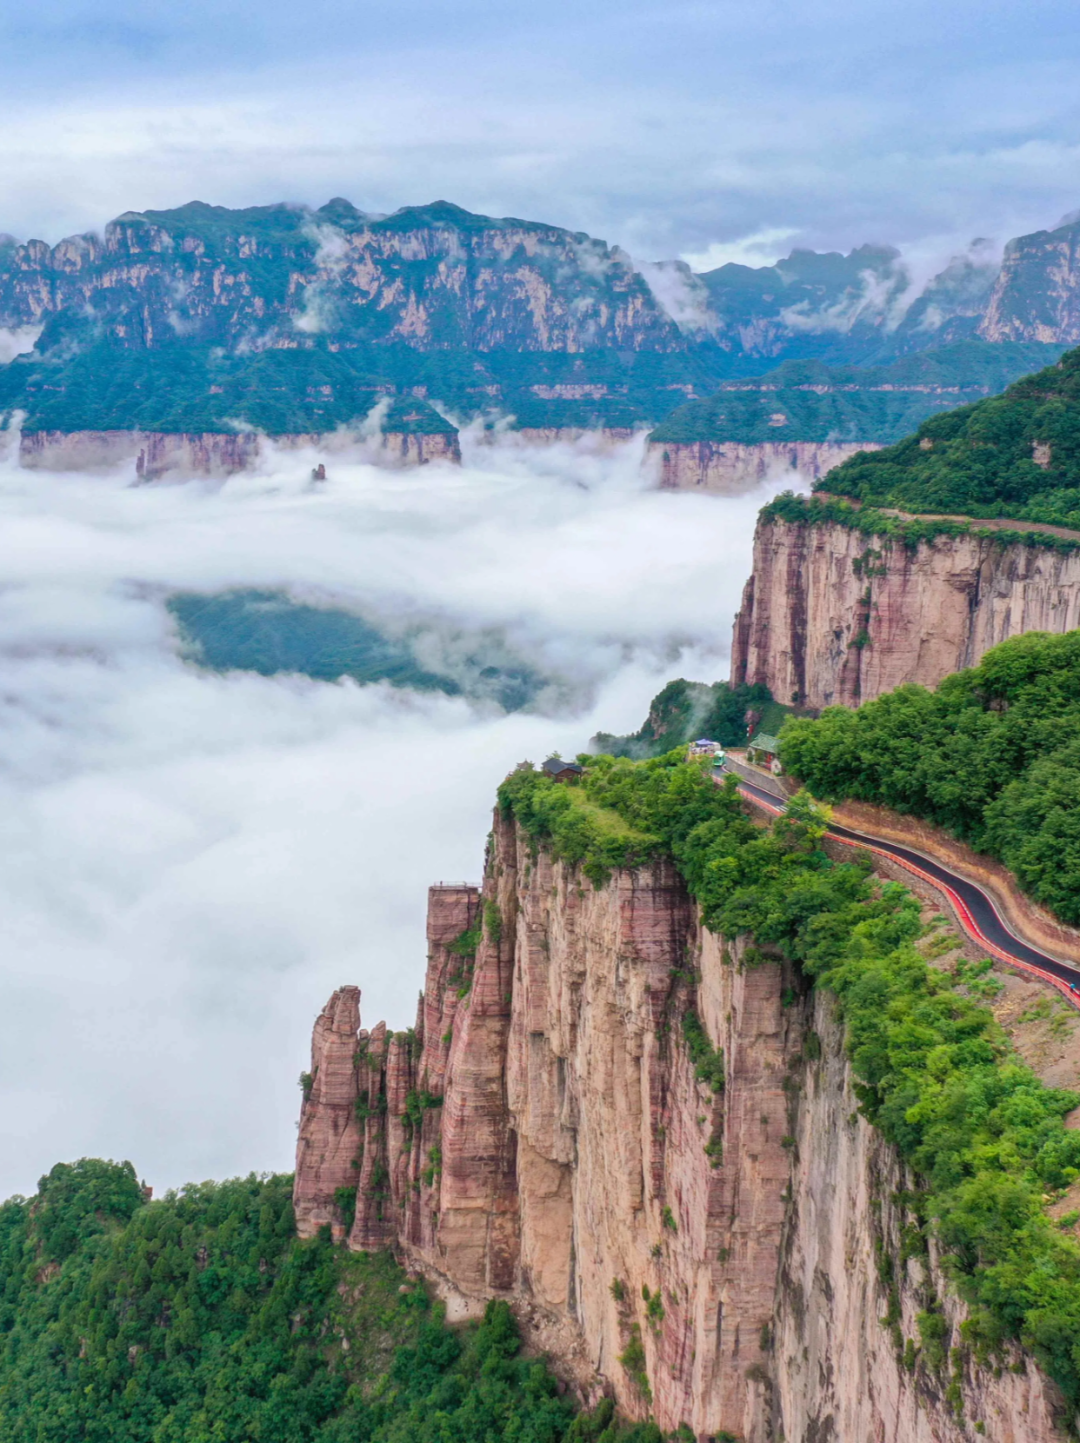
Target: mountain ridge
{"x": 298, "y": 319}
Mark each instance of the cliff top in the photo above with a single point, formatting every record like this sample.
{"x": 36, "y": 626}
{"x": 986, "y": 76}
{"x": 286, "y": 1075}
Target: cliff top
{"x": 936, "y": 1075}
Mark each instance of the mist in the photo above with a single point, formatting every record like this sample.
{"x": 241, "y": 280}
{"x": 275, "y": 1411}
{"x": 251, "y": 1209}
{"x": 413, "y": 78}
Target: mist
{"x": 191, "y": 861}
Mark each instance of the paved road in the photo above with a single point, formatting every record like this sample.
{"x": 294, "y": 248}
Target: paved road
{"x": 976, "y": 910}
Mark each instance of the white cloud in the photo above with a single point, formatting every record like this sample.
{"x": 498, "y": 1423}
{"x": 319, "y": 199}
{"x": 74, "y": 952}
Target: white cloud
{"x": 17, "y": 342}
{"x": 189, "y": 863}
{"x": 680, "y": 293}
{"x": 331, "y": 258}
{"x": 762, "y": 248}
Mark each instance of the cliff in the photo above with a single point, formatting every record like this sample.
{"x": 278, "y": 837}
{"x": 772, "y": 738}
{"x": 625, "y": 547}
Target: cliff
{"x": 729, "y": 468}
{"x": 833, "y": 615}
{"x": 851, "y": 1290}
{"x": 646, "y": 1137}
{"x": 281, "y": 317}
{"x": 1035, "y": 295}
{"x": 157, "y": 454}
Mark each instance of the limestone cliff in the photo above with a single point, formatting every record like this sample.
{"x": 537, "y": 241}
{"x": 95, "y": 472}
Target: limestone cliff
{"x": 850, "y": 1293}
{"x": 176, "y": 454}
{"x": 831, "y": 615}
{"x": 730, "y": 468}
{"x": 705, "y": 1245}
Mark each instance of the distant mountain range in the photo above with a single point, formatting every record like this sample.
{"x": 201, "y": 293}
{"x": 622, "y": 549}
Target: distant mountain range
{"x": 286, "y": 319}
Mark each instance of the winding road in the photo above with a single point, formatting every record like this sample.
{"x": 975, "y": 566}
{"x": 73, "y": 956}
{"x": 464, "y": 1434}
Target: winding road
{"x": 976, "y": 910}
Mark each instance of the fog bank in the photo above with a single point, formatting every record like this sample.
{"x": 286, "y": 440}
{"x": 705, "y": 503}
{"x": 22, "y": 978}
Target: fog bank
{"x": 190, "y": 862}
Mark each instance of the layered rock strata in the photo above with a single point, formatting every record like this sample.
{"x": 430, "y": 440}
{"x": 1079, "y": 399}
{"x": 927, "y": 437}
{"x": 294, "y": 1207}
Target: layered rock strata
{"x": 720, "y": 1258}
{"x": 730, "y": 468}
{"x": 541, "y": 1134}
{"x": 154, "y": 455}
{"x": 851, "y": 1289}
{"x": 831, "y": 615}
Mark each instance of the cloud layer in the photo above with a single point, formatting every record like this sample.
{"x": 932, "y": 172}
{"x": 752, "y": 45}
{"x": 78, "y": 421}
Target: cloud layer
{"x": 687, "y": 129}
{"x": 189, "y": 863}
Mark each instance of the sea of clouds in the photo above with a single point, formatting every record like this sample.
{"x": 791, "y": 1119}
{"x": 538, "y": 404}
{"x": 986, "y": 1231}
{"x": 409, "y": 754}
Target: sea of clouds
{"x": 190, "y": 862}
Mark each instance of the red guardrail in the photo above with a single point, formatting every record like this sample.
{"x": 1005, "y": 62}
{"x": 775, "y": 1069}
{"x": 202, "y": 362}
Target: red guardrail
{"x": 959, "y": 906}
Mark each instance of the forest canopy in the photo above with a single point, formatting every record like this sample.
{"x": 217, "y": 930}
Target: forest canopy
{"x": 1014, "y": 455}
{"x": 993, "y": 755}
{"x": 201, "y": 1317}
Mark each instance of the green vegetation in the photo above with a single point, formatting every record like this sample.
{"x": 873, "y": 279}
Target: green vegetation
{"x": 201, "y": 1317}
{"x": 573, "y": 826}
{"x": 983, "y": 1135}
{"x": 466, "y": 943}
{"x": 632, "y": 1358}
{"x": 83, "y": 383}
{"x": 708, "y": 1060}
{"x": 1015, "y": 455}
{"x": 684, "y": 710}
{"x": 807, "y": 400}
{"x": 908, "y": 531}
{"x": 492, "y": 922}
{"x": 992, "y": 755}
{"x": 268, "y": 632}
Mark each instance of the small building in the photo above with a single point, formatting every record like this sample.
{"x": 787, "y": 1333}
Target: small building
{"x": 702, "y": 749}
{"x": 763, "y": 751}
{"x": 560, "y": 771}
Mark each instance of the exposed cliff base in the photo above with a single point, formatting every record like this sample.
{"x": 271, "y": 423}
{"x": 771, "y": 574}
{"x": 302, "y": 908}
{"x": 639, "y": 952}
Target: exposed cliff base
{"x": 834, "y": 615}
{"x": 720, "y": 1254}
{"x": 730, "y": 468}
{"x": 159, "y": 454}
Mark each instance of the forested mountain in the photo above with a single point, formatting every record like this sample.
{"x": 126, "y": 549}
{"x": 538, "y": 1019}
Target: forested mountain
{"x": 297, "y": 320}
{"x": 201, "y": 1316}
{"x": 1015, "y": 455}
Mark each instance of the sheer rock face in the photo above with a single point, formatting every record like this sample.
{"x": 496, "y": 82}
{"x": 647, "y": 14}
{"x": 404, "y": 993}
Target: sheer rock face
{"x": 836, "y": 1369}
{"x": 831, "y": 616}
{"x": 177, "y": 454}
{"x": 428, "y": 277}
{"x": 1037, "y": 293}
{"x": 543, "y": 1136}
{"x": 730, "y": 468}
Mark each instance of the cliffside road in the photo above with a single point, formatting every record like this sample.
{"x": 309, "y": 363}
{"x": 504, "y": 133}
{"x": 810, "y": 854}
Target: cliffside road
{"x": 974, "y": 908}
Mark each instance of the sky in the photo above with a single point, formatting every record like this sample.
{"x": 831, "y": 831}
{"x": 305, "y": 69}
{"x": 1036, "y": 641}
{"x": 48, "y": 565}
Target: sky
{"x": 191, "y": 862}
{"x": 710, "y": 130}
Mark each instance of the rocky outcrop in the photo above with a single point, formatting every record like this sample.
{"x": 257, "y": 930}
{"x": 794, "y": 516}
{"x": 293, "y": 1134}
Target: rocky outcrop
{"x": 155, "y": 455}
{"x": 832, "y": 615}
{"x": 729, "y": 468}
{"x": 329, "y": 1140}
{"x": 542, "y": 1134}
{"x": 733, "y": 1255}
{"x": 1036, "y": 296}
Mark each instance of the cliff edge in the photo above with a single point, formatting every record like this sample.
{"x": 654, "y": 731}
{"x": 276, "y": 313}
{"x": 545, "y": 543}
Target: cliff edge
{"x": 837, "y": 615}
{"x": 646, "y": 1136}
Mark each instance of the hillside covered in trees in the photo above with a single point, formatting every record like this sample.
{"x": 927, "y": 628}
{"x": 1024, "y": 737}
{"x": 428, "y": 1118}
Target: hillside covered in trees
{"x": 201, "y": 1317}
{"x": 1013, "y": 455}
{"x": 993, "y": 755}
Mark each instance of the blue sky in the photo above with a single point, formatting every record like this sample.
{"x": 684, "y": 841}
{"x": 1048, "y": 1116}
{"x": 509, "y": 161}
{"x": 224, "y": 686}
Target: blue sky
{"x": 669, "y": 128}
